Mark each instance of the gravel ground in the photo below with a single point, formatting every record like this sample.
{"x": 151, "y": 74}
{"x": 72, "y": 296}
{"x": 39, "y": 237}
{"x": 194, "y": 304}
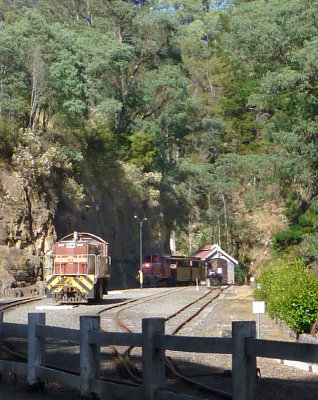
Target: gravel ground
{"x": 278, "y": 382}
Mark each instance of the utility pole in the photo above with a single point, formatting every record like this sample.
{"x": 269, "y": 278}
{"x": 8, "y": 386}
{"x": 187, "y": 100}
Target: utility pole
{"x": 141, "y": 223}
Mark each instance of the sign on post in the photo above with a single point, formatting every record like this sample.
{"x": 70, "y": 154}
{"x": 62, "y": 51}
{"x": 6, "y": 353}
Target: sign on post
{"x": 258, "y": 308}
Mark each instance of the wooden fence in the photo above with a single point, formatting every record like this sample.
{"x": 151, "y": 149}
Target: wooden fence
{"x": 243, "y": 346}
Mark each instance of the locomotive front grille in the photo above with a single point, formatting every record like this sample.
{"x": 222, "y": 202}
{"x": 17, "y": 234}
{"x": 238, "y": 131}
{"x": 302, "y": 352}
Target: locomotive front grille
{"x": 66, "y": 288}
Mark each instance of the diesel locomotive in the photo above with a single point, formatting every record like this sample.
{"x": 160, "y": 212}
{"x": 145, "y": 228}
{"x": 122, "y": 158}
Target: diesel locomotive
{"x": 79, "y": 269}
{"x": 172, "y": 270}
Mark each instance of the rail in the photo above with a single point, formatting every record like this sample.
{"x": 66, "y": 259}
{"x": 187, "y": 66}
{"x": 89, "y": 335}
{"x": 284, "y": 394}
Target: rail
{"x": 243, "y": 346}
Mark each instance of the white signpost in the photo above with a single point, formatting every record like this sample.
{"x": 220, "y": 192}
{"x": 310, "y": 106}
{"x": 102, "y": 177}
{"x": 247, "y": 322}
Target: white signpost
{"x": 258, "y": 308}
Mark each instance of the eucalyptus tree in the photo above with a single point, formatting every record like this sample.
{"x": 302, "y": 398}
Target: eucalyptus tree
{"x": 137, "y": 86}
{"x": 41, "y": 72}
{"x": 276, "y": 40}
{"x": 275, "y": 44}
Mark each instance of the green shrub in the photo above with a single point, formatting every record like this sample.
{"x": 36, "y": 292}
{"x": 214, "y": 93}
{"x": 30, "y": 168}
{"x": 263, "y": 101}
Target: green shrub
{"x": 303, "y": 219}
{"x": 288, "y": 237}
{"x": 240, "y": 274}
{"x": 309, "y": 248}
{"x": 291, "y": 294}
{"x": 9, "y": 138}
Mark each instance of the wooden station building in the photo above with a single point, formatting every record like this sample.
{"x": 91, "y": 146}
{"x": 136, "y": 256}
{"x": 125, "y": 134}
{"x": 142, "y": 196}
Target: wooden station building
{"x": 217, "y": 262}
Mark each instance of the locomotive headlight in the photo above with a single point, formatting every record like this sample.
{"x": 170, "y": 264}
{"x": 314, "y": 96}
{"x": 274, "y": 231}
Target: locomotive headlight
{"x": 147, "y": 265}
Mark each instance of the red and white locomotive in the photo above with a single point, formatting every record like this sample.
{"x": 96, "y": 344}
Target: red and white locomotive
{"x": 80, "y": 269}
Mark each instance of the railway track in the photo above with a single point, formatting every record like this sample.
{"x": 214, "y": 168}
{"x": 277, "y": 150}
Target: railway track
{"x": 18, "y": 349}
{"x": 13, "y": 304}
{"x": 176, "y": 321}
{"x": 19, "y": 302}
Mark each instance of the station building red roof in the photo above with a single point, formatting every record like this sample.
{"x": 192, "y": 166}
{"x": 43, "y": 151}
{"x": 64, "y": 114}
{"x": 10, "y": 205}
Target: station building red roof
{"x": 213, "y": 251}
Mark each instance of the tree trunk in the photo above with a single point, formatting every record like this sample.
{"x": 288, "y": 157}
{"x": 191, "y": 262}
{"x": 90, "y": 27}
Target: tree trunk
{"x": 219, "y": 232}
{"x": 34, "y": 103}
{"x": 225, "y": 222}
{"x": 210, "y": 215}
{"x": 190, "y": 221}
{"x": 190, "y": 233}
{"x": 89, "y": 13}
{"x": 34, "y": 106}
{"x": 76, "y": 11}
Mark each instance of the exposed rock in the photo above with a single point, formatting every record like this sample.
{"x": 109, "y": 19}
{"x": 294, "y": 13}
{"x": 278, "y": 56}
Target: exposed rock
{"x": 26, "y": 229}
{"x": 6, "y": 279}
{"x": 304, "y": 338}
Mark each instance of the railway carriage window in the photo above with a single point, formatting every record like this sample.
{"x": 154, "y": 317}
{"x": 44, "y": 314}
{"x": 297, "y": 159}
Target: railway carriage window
{"x": 100, "y": 249}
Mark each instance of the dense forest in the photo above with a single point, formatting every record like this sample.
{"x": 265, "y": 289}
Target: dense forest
{"x": 201, "y": 115}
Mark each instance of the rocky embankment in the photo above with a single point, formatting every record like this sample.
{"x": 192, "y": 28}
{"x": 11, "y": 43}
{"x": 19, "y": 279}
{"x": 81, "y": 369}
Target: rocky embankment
{"x": 26, "y": 231}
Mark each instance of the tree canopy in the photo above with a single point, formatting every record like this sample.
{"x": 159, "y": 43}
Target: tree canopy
{"x": 206, "y": 110}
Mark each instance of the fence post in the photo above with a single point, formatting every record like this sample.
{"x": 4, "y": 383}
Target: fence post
{"x": 35, "y": 349}
{"x": 153, "y": 358}
{"x": 1, "y": 334}
{"x": 1, "y": 340}
{"x": 90, "y": 353}
{"x": 243, "y": 367}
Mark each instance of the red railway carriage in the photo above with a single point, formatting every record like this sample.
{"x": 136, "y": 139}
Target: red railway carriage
{"x": 156, "y": 270}
{"x": 80, "y": 268}
{"x": 171, "y": 270}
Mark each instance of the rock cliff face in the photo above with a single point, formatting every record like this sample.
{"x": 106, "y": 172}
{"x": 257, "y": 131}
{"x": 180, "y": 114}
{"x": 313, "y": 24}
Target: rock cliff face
{"x": 40, "y": 201}
{"x": 34, "y": 212}
{"x": 26, "y": 230}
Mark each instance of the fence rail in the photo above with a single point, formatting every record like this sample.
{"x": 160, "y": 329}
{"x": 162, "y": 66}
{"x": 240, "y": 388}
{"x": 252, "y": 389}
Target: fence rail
{"x": 154, "y": 342}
